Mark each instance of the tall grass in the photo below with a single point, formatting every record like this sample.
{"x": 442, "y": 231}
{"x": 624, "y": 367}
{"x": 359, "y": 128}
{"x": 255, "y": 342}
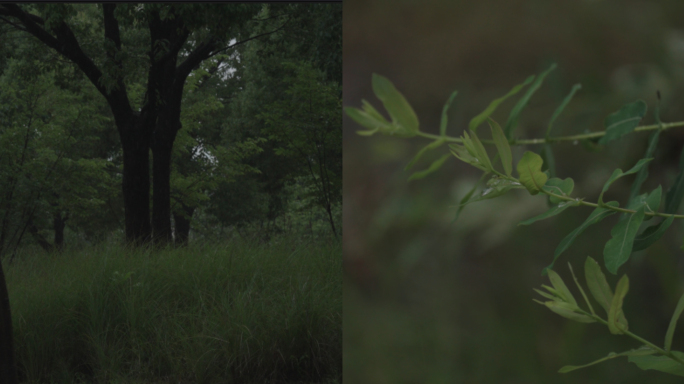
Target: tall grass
{"x": 228, "y": 313}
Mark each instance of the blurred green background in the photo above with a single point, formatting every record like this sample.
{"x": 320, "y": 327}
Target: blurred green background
{"x": 427, "y": 301}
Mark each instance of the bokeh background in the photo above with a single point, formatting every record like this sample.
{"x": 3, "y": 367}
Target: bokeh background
{"x": 428, "y": 301}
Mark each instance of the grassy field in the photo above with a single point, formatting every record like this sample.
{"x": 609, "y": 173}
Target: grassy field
{"x": 227, "y": 313}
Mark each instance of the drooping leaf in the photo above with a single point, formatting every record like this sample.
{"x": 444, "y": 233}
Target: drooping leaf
{"x": 559, "y": 187}
{"x": 561, "y": 288}
{"x": 479, "y": 119}
{"x": 435, "y": 144}
{"x": 398, "y": 108}
{"x": 566, "y": 310}
{"x": 496, "y": 187}
{"x": 561, "y": 107}
{"x": 529, "y": 169}
{"x": 553, "y": 211}
{"x": 502, "y": 146}
{"x": 433, "y": 168}
{"x": 618, "y": 174}
{"x": 619, "y": 247}
{"x": 643, "y": 173}
{"x": 673, "y": 323}
{"x": 623, "y": 121}
{"x": 443, "y": 124}
{"x": 599, "y": 288}
{"x": 512, "y": 121}
{"x": 676, "y": 192}
{"x": 660, "y": 363}
{"x": 615, "y": 327}
{"x": 596, "y": 216}
{"x": 549, "y": 160}
{"x": 652, "y": 234}
{"x": 644, "y": 351}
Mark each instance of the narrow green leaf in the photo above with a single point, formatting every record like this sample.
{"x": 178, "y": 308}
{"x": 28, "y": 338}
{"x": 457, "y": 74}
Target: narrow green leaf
{"x": 653, "y": 200}
{"x": 660, "y": 363}
{"x": 512, "y": 121}
{"x": 596, "y": 216}
{"x": 502, "y": 146}
{"x": 623, "y": 121}
{"x": 435, "y": 144}
{"x": 652, "y": 234}
{"x": 559, "y": 187}
{"x": 617, "y": 328}
{"x": 597, "y": 283}
{"x": 618, "y": 174}
{"x": 617, "y": 250}
{"x": 529, "y": 169}
{"x": 642, "y": 175}
{"x": 398, "y": 108}
{"x": 495, "y": 187}
{"x": 547, "y": 295}
{"x": 634, "y": 352}
{"x": 464, "y": 201}
{"x": 433, "y": 168}
{"x": 673, "y": 323}
{"x": 567, "y": 310}
{"x": 553, "y": 211}
{"x": 549, "y": 159}
{"x": 561, "y": 107}
{"x": 365, "y": 120}
{"x": 463, "y": 154}
{"x": 584, "y": 295}
{"x": 561, "y": 288}
{"x": 479, "y": 119}
{"x": 676, "y": 192}
{"x": 443, "y": 124}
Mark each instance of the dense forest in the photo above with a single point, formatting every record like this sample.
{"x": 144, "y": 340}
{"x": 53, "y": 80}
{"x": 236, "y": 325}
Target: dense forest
{"x": 181, "y": 127}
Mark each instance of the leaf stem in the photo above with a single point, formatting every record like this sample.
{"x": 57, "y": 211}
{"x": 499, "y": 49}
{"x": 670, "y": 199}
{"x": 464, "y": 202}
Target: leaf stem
{"x": 584, "y": 136}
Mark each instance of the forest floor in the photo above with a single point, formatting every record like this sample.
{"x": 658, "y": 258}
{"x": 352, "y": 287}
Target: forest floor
{"x": 208, "y": 313}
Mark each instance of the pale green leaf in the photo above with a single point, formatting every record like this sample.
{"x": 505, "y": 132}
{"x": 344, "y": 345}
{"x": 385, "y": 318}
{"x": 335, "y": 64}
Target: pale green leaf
{"x": 673, "y": 323}
{"x": 618, "y": 249}
{"x": 653, "y": 200}
{"x": 481, "y": 152}
{"x": 561, "y": 288}
{"x": 435, "y": 144}
{"x": 398, "y": 108}
{"x": 529, "y": 169}
{"x": 634, "y": 352}
{"x": 512, "y": 121}
{"x": 502, "y": 146}
{"x": 553, "y": 211}
{"x": 464, "y": 155}
{"x": 433, "y": 168}
{"x": 479, "y": 119}
{"x": 623, "y": 121}
{"x": 660, "y": 363}
{"x": 652, "y": 234}
{"x": 567, "y": 310}
{"x": 561, "y": 107}
{"x": 559, "y": 187}
{"x": 496, "y": 187}
{"x": 621, "y": 290}
{"x": 584, "y": 295}
{"x": 618, "y": 174}
{"x": 443, "y": 124}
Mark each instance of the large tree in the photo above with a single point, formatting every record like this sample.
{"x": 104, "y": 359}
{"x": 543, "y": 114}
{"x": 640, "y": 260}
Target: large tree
{"x": 118, "y": 46}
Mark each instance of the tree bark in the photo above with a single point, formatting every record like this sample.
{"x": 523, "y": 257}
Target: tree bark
{"x": 182, "y": 228}
{"x": 58, "y": 224}
{"x": 8, "y": 370}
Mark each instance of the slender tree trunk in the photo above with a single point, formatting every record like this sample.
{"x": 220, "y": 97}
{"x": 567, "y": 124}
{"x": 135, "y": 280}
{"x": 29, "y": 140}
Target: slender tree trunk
{"x": 182, "y": 221}
{"x": 8, "y": 370}
{"x": 58, "y": 224}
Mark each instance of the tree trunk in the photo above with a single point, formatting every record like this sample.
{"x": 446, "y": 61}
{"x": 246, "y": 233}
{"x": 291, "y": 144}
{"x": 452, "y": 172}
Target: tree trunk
{"x": 47, "y": 247}
{"x": 182, "y": 221}
{"x": 58, "y": 224}
{"x": 8, "y": 371}
{"x": 162, "y": 146}
{"x": 135, "y": 140}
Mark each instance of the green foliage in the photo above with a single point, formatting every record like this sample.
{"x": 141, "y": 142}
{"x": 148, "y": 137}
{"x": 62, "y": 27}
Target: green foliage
{"x": 531, "y": 176}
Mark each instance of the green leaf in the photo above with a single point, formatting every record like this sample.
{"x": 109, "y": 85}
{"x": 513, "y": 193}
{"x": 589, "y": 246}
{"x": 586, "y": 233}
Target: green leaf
{"x": 643, "y": 173}
{"x": 365, "y": 120}
{"x": 673, "y": 323}
{"x": 433, "y": 168}
{"x": 502, "y": 146}
{"x": 599, "y": 288}
{"x": 512, "y": 121}
{"x": 549, "y": 160}
{"x": 584, "y": 295}
{"x": 596, "y": 216}
{"x": 652, "y": 234}
{"x": 480, "y": 151}
{"x": 660, "y": 363}
{"x": 676, "y": 192}
{"x": 464, "y": 154}
{"x": 561, "y": 107}
{"x": 561, "y": 288}
{"x": 464, "y": 201}
{"x": 559, "y": 187}
{"x": 443, "y": 124}
{"x": 619, "y": 247}
{"x": 653, "y": 200}
{"x": 567, "y": 310}
{"x": 399, "y": 109}
{"x": 616, "y": 327}
{"x": 529, "y": 169}
{"x": 623, "y": 121}
{"x": 479, "y": 119}
{"x": 634, "y": 352}
{"x": 435, "y": 144}
{"x": 553, "y": 211}
{"x": 496, "y": 187}
{"x": 618, "y": 174}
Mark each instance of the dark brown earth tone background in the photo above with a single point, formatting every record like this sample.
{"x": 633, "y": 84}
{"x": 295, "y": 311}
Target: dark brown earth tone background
{"x": 427, "y": 301}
